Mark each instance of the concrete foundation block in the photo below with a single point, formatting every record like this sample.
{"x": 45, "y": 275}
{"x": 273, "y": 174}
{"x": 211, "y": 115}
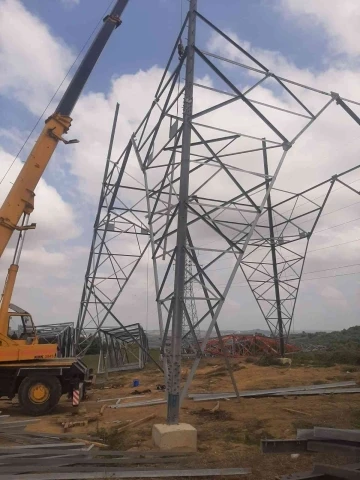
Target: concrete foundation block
{"x": 285, "y": 361}
{"x": 175, "y": 437}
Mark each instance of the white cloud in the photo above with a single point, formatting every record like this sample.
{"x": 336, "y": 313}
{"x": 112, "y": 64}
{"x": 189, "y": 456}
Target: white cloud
{"x": 55, "y": 217}
{"x": 340, "y": 19}
{"x": 32, "y": 61}
{"x": 70, "y": 3}
{"x": 45, "y": 255}
{"x": 93, "y": 116}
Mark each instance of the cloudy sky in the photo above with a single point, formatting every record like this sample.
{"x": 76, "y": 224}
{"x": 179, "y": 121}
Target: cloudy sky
{"x": 305, "y": 41}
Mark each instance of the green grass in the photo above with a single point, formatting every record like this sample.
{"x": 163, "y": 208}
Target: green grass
{"x": 329, "y": 358}
{"x": 91, "y": 361}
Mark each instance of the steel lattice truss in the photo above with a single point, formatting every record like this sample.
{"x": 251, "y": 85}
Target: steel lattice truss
{"x": 274, "y": 262}
{"x": 199, "y": 170}
{"x": 119, "y": 242}
{"x": 60, "y": 333}
{"x": 236, "y": 345}
{"x": 188, "y": 344}
{"x": 122, "y": 350}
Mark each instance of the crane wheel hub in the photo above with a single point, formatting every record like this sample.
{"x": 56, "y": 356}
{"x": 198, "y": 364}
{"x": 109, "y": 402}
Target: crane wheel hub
{"x": 39, "y": 393}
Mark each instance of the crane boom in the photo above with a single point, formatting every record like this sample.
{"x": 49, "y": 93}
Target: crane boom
{"x": 29, "y": 368}
{"x": 20, "y": 199}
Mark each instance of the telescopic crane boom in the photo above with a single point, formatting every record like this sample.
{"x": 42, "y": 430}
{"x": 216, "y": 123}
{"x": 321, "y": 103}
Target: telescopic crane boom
{"x": 20, "y": 199}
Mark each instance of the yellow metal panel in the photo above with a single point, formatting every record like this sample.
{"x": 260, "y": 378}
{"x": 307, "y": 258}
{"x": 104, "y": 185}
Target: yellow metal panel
{"x": 50, "y": 363}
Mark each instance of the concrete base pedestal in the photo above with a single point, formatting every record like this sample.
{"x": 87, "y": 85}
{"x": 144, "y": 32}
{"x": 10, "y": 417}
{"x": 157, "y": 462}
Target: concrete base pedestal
{"x": 285, "y": 361}
{"x": 175, "y": 437}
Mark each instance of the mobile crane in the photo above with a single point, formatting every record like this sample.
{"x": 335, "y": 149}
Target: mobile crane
{"x": 27, "y": 368}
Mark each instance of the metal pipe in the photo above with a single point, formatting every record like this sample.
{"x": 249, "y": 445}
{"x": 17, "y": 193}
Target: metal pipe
{"x": 273, "y": 256}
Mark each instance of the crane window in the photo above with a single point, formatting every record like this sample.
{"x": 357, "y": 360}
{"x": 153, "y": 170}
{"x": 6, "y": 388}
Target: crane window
{"x": 20, "y": 327}
{"x": 16, "y": 327}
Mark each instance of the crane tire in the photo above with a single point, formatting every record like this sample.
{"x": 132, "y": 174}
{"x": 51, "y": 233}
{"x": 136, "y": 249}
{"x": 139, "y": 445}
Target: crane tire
{"x": 39, "y": 394}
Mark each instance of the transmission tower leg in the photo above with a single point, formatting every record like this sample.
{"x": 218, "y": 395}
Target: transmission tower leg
{"x": 176, "y": 338}
{"x": 274, "y": 259}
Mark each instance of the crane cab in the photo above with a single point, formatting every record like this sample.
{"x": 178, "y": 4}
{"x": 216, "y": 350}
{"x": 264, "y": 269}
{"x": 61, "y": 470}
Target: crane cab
{"x": 21, "y": 342}
{"x": 21, "y": 327}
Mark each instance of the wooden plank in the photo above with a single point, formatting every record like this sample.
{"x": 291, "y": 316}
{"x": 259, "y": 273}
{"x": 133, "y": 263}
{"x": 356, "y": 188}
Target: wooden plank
{"x": 137, "y": 422}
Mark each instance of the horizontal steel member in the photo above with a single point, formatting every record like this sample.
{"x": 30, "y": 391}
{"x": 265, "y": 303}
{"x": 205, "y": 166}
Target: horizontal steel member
{"x": 283, "y": 446}
{"x": 148, "y": 473}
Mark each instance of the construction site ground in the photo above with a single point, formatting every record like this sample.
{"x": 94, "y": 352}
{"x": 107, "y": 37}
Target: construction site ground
{"x": 228, "y": 437}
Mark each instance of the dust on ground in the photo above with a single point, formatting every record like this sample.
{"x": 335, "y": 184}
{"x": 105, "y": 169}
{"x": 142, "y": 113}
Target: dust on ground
{"x": 230, "y": 435}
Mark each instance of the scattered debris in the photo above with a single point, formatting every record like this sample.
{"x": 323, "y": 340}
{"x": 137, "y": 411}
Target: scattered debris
{"x": 216, "y": 408}
{"x": 161, "y": 387}
{"x": 217, "y": 415}
{"x": 91, "y": 442}
{"x": 290, "y": 410}
{"x": 54, "y": 459}
{"x": 137, "y": 422}
{"x": 79, "y": 423}
{"x": 219, "y": 370}
{"x": 141, "y": 392}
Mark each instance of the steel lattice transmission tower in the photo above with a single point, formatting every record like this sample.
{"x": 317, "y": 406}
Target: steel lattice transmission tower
{"x": 190, "y": 317}
{"x": 274, "y": 264}
{"x": 195, "y": 184}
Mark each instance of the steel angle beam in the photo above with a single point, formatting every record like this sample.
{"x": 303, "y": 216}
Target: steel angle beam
{"x": 283, "y": 446}
{"x": 148, "y": 473}
{"x": 338, "y": 472}
{"x": 278, "y": 391}
{"x": 324, "y": 391}
{"x": 73, "y": 464}
{"x": 349, "y": 383}
{"x": 330, "y": 447}
{"x": 41, "y": 453}
{"x": 303, "y": 476}
{"x": 298, "y": 446}
{"x": 316, "y": 472}
{"x": 305, "y": 434}
{"x": 337, "y": 434}
{"x": 138, "y": 404}
{"x": 47, "y": 446}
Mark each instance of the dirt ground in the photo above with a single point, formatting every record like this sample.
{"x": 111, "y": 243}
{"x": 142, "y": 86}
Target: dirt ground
{"x": 231, "y": 436}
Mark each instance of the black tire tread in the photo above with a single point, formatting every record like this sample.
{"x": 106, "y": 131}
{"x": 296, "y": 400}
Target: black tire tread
{"x": 34, "y": 409}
